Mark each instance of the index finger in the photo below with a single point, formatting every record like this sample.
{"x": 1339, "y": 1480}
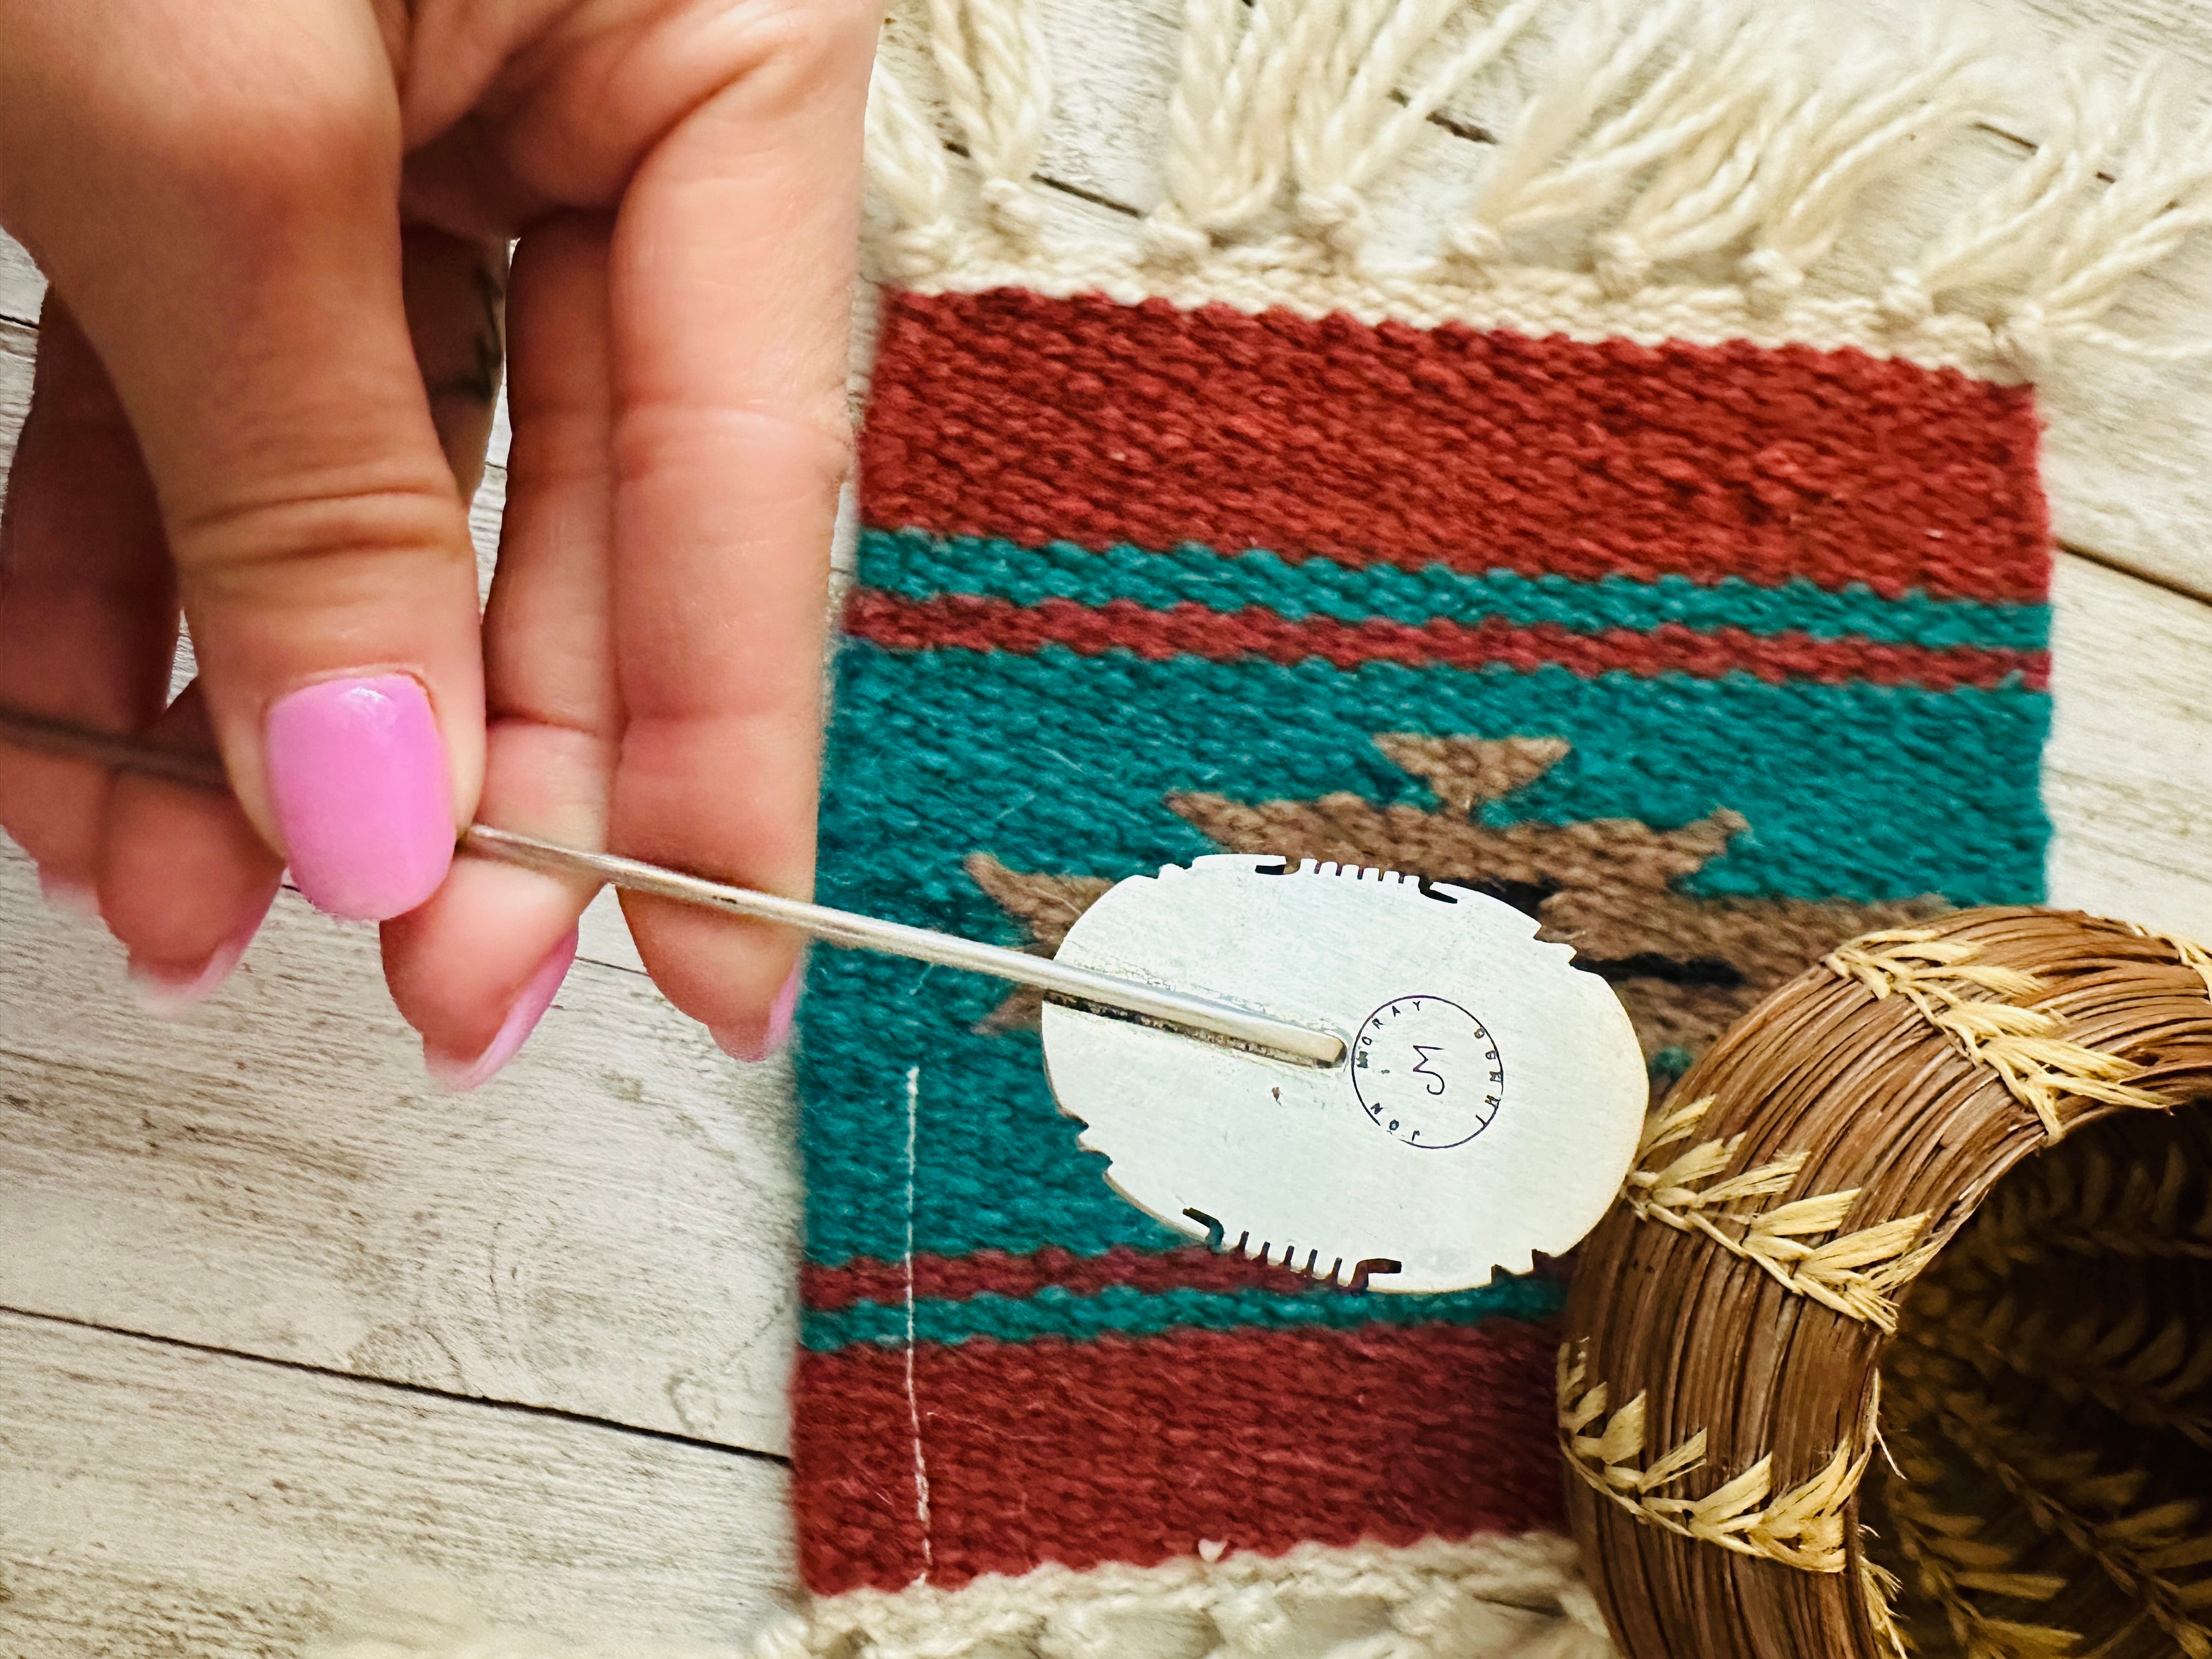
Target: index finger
{"x": 731, "y": 278}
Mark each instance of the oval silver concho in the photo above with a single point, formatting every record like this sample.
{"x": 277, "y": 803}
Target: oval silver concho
{"x": 1303, "y": 1165}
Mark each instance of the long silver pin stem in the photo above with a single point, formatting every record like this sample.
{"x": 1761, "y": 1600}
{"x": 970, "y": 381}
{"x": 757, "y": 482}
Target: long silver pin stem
{"x": 1082, "y": 988}
{"x": 1079, "y": 987}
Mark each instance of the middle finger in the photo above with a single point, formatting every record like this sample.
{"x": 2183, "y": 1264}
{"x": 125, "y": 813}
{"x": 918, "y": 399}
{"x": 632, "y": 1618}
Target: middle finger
{"x": 475, "y": 968}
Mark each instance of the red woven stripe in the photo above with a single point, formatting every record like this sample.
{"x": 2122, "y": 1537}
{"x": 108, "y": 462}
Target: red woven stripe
{"x": 1121, "y": 1450}
{"x": 1009, "y": 414}
{"x": 998, "y": 1272}
{"x": 973, "y": 623}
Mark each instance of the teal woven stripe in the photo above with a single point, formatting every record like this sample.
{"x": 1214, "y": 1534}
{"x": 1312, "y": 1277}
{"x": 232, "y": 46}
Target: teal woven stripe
{"x": 1057, "y": 762}
{"x": 917, "y": 565}
{"x": 1122, "y": 1310}
{"x": 1856, "y": 792}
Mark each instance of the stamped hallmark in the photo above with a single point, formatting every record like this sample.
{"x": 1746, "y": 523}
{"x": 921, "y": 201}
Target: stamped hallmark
{"x": 1427, "y": 1071}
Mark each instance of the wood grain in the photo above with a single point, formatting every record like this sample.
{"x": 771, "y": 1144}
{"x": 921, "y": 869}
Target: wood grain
{"x": 131, "y": 1238}
{"x": 22, "y": 285}
{"x": 2128, "y": 772}
{"x": 19, "y": 352}
{"x": 2128, "y": 454}
{"x": 606, "y": 1228}
{"x": 164, "y": 1502}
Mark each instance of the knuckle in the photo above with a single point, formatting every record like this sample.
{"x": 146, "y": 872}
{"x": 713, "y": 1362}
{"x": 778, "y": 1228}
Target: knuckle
{"x": 280, "y": 144}
{"x": 290, "y": 156}
{"x": 811, "y": 30}
{"x": 790, "y": 52}
{"x": 805, "y": 445}
{"x": 317, "y": 545}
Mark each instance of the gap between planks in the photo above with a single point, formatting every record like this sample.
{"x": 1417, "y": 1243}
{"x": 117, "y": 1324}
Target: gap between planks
{"x": 164, "y": 1500}
{"x": 558, "y": 1414}
{"x": 274, "y": 1176}
{"x": 607, "y": 1228}
{"x": 2128, "y": 462}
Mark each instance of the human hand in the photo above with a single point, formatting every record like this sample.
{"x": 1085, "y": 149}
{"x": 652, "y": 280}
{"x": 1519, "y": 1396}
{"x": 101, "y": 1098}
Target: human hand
{"x": 274, "y": 231}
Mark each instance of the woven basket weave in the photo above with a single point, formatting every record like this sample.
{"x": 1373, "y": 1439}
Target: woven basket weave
{"x": 1901, "y": 1337}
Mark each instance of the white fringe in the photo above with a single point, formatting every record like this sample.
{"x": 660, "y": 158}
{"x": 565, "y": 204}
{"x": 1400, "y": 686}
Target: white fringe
{"x": 1492, "y": 1597}
{"x": 1698, "y": 157}
{"x": 1348, "y": 133}
{"x": 1229, "y": 118}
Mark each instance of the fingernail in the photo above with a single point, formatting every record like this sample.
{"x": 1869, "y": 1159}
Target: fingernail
{"x": 167, "y": 992}
{"x": 73, "y": 899}
{"x": 357, "y": 772}
{"x": 461, "y": 1072}
{"x": 739, "y": 1042}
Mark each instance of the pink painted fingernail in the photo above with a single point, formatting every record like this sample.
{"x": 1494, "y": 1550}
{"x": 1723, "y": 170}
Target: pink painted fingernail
{"x": 167, "y": 992}
{"x": 740, "y": 1043}
{"x": 73, "y": 899}
{"x": 461, "y": 1072}
{"x": 358, "y": 774}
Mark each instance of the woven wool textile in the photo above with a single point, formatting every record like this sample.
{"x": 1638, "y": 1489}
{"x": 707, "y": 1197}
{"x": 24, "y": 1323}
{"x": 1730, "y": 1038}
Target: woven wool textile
{"x": 1577, "y": 546}
{"x": 1708, "y": 656}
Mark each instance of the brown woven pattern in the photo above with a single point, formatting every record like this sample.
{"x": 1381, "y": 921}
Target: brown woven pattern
{"x": 1809, "y": 1375}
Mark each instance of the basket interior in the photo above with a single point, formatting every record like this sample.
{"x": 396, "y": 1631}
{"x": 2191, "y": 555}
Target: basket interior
{"x": 2047, "y": 1410}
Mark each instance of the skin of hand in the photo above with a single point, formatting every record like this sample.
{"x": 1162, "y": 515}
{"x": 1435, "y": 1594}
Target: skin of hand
{"x": 276, "y": 234}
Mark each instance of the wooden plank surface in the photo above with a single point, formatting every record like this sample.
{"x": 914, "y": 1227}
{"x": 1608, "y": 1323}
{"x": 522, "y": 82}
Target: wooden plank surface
{"x": 2128, "y": 772}
{"x": 163, "y": 1501}
{"x": 2129, "y": 452}
{"x": 606, "y": 1227}
{"x": 2128, "y": 446}
{"x": 21, "y": 286}
{"x": 606, "y": 1231}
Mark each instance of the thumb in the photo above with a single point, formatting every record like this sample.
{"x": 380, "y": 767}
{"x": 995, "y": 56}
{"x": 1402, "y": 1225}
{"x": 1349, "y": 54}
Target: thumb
{"x": 256, "y": 333}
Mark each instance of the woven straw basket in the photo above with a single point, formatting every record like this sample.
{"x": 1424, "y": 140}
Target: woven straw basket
{"x": 1900, "y": 1340}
